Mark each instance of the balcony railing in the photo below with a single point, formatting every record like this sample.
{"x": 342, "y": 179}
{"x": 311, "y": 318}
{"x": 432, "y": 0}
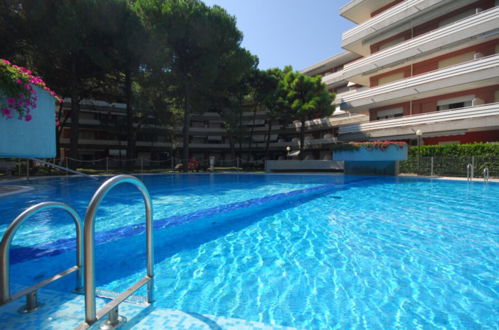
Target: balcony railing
{"x": 484, "y": 110}
{"x": 396, "y": 19}
{"x": 467, "y": 28}
{"x": 481, "y": 72}
{"x": 334, "y": 78}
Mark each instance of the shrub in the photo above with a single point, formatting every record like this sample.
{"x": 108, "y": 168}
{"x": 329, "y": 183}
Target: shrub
{"x": 458, "y": 150}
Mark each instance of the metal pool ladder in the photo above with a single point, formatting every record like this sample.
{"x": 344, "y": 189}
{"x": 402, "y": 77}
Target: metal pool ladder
{"x": 111, "y": 309}
{"x": 84, "y": 261}
{"x": 486, "y": 174}
{"x": 31, "y": 292}
{"x": 469, "y": 172}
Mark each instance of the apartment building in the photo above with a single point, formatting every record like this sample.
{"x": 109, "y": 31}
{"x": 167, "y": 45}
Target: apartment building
{"x": 102, "y": 131}
{"x": 418, "y": 65}
{"x": 103, "y": 134}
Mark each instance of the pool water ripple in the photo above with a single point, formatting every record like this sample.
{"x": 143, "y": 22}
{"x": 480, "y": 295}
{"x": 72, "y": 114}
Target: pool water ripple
{"x": 379, "y": 253}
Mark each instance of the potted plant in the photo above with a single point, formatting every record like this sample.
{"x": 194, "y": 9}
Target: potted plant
{"x": 27, "y": 113}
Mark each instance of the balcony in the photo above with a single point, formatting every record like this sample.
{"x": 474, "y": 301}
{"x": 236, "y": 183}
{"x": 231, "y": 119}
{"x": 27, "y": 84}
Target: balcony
{"x": 330, "y": 63}
{"x": 359, "y": 11}
{"x": 198, "y": 130}
{"x": 333, "y": 121}
{"x": 473, "y": 74}
{"x": 334, "y": 79}
{"x": 395, "y": 20}
{"x": 438, "y": 123}
{"x": 463, "y": 33}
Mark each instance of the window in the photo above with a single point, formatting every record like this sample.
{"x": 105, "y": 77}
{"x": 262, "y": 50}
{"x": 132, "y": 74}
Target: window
{"x": 456, "y": 60}
{"x": 389, "y": 113}
{"x": 390, "y": 78}
{"x": 455, "y": 103}
{"x": 391, "y": 43}
{"x": 458, "y": 17}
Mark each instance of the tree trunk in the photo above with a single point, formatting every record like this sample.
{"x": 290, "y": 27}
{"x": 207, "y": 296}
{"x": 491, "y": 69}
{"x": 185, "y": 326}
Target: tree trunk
{"x": 59, "y": 129}
{"x": 250, "y": 142}
{"x": 185, "y": 129}
{"x": 75, "y": 126}
{"x": 75, "y": 114}
{"x": 130, "y": 150}
{"x": 302, "y": 139}
{"x": 240, "y": 130}
{"x": 232, "y": 147}
{"x": 267, "y": 145}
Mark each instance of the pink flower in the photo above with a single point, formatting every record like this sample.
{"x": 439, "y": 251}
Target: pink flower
{"x": 28, "y": 117}
{"x": 6, "y": 111}
{"x": 11, "y": 101}
{"x": 19, "y": 81}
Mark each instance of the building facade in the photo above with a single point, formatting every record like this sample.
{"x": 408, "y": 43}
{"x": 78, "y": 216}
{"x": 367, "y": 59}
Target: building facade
{"x": 103, "y": 133}
{"x": 418, "y": 65}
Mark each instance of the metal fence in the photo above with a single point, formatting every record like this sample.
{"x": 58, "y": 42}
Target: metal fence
{"x": 450, "y": 166}
{"x": 122, "y": 165}
{"x": 427, "y": 166}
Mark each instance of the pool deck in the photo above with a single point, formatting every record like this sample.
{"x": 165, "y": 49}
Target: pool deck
{"x": 66, "y": 311}
{"x": 10, "y": 190}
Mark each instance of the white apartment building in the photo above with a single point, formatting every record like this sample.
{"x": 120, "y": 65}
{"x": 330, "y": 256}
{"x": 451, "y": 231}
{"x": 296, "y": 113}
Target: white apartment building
{"x": 428, "y": 65}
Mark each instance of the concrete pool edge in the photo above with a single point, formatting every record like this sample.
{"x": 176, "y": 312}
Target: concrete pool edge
{"x": 4, "y": 191}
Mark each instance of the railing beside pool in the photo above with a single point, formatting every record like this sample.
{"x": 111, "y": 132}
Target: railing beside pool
{"x": 31, "y": 292}
{"x": 85, "y": 260}
{"x": 111, "y": 309}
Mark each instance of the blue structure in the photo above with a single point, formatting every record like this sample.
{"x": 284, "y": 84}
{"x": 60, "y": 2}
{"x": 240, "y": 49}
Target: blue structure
{"x": 36, "y": 138}
{"x": 373, "y": 161}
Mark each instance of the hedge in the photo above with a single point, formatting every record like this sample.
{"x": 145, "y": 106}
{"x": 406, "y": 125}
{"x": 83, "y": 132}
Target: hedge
{"x": 458, "y": 150}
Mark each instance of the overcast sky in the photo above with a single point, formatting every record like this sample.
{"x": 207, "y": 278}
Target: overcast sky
{"x": 288, "y": 32}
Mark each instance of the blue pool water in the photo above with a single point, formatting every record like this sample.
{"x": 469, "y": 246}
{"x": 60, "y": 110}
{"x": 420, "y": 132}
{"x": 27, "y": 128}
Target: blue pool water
{"x": 307, "y": 251}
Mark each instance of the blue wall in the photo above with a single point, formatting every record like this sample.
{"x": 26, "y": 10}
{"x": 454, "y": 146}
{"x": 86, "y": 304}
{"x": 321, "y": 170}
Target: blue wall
{"x": 36, "y": 138}
{"x": 392, "y": 153}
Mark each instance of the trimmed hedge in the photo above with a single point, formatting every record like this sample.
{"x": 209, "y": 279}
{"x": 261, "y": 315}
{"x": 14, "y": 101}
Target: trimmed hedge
{"x": 458, "y": 150}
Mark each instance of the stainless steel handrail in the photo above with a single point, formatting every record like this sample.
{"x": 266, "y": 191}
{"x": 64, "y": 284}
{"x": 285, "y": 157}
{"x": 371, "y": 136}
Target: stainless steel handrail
{"x": 91, "y": 316}
{"x": 469, "y": 172}
{"x": 30, "y": 293}
{"x": 486, "y": 174}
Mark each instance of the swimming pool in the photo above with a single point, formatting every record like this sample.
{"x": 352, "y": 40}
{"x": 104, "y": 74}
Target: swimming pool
{"x": 307, "y": 251}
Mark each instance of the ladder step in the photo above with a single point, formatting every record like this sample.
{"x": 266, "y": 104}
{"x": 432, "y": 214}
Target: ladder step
{"x": 133, "y": 299}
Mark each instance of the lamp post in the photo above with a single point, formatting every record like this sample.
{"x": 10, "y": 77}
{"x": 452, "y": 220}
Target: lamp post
{"x": 419, "y": 134}
{"x": 288, "y": 149}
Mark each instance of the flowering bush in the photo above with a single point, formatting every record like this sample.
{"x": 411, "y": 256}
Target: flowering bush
{"x": 17, "y": 95}
{"x": 381, "y": 145}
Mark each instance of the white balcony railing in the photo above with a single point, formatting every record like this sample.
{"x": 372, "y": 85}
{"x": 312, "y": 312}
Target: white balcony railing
{"x": 396, "y": 19}
{"x": 430, "y": 118}
{"x": 334, "y": 79}
{"x": 359, "y": 11}
{"x": 472, "y": 26}
{"x": 480, "y": 72}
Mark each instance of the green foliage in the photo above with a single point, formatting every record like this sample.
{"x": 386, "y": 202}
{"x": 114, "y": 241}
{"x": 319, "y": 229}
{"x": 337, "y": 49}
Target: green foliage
{"x": 458, "y": 150}
{"x": 303, "y": 98}
{"x": 207, "y": 64}
{"x": 452, "y": 159}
